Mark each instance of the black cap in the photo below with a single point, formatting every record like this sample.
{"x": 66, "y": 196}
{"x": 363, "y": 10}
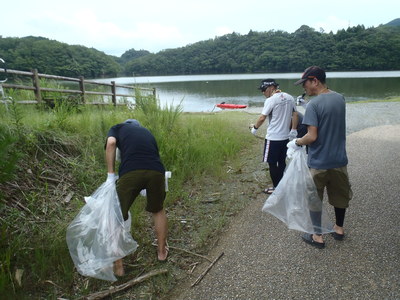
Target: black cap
{"x": 311, "y": 73}
{"x": 266, "y": 83}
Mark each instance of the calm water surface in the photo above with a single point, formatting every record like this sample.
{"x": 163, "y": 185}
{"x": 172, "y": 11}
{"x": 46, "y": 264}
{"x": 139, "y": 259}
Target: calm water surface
{"x": 200, "y": 93}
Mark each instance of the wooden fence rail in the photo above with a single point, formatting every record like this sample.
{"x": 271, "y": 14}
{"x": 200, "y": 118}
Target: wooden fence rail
{"x": 37, "y": 89}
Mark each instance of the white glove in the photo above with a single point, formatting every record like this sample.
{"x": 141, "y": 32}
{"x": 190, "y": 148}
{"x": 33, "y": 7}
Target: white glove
{"x": 253, "y": 130}
{"x": 111, "y": 177}
{"x": 292, "y": 148}
{"x": 301, "y": 101}
{"x": 292, "y": 134}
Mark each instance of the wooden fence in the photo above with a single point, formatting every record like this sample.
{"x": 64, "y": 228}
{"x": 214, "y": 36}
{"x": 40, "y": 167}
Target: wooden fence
{"x": 82, "y": 92}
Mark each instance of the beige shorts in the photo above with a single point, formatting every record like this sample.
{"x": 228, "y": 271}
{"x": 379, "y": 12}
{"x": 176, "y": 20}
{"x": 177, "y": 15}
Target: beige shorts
{"x": 337, "y": 185}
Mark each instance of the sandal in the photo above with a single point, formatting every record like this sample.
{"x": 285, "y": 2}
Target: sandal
{"x": 269, "y": 191}
{"x": 309, "y": 240}
{"x": 337, "y": 236}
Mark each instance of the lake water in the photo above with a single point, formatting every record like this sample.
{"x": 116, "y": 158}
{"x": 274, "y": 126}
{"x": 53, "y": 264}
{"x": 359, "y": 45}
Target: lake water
{"x": 200, "y": 93}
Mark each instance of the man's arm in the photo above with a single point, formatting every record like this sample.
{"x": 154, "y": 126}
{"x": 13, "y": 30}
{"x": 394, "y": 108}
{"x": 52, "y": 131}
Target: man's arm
{"x": 260, "y": 121}
{"x": 295, "y": 120}
{"x": 309, "y": 137}
{"x": 111, "y": 147}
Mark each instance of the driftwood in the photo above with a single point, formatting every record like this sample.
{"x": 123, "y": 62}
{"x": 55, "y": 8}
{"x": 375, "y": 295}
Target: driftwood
{"x": 113, "y": 290}
{"x": 206, "y": 270}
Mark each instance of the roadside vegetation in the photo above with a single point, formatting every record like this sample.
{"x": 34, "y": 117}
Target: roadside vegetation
{"x": 51, "y": 158}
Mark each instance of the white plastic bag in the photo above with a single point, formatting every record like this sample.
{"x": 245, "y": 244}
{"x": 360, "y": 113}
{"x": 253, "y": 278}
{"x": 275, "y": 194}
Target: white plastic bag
{"x": 98, "y": 235}
{"x": 295, "y": 199}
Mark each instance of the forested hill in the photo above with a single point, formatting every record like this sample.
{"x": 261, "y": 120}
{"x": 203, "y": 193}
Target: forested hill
{"x": 356, "y": 48}
{"x": 53, "y": 57}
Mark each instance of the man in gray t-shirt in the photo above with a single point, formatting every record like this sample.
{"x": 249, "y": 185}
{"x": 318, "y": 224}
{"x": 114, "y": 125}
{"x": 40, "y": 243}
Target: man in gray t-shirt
{"x": 327, "y": 112}
{"x": 325, "y": 118}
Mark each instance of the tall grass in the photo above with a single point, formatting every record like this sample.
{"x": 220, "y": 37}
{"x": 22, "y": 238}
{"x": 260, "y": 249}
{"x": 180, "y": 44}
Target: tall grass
{"x": 63, "y": 151}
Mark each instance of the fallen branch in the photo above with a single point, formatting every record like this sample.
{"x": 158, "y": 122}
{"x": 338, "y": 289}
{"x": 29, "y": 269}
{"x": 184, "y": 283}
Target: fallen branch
{"x": 113, "y": 290}
{"x": 50, "y": 179}
{"x": 210, "y": 200}
{"x": 206, "y": 270}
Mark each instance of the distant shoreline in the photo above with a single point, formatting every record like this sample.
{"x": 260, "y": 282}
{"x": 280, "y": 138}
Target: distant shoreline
{"x": 361, "y": 114}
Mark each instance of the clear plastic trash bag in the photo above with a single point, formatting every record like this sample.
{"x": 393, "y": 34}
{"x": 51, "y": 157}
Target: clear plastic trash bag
{"x": 98, "y": 235}
{"x": 295, "y": 200}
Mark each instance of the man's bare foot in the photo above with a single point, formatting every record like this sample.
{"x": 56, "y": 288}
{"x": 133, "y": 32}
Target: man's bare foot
{"x": 119, "y": 268}
{"x": 338, "y": 233}
{"x": 317, "y": 238}
{"x": 338, "y": 229}
{"x": 163, "y": 255}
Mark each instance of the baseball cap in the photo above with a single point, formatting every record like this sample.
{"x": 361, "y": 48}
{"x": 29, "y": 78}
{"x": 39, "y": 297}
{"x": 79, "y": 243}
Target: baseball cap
{"x": 311, "y": 73}
{"x": 266, "y": 83}
{"x": 133, "y": 122}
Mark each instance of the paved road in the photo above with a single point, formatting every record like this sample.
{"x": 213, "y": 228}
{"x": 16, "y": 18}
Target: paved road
{"x": 264, "y": 260}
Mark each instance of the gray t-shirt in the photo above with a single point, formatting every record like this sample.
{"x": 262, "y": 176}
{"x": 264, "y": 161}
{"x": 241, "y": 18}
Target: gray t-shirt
{"x": 328, "y": 113}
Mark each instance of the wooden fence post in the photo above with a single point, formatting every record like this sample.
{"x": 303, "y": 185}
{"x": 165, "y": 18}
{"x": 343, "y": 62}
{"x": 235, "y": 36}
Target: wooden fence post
{"x": 36, "y": 84}
{"x": 82, "y": 88}
{"x": 114, "y": 93}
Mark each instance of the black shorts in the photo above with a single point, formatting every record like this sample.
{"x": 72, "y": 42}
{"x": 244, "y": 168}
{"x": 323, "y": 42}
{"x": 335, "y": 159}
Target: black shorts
{"x": 130, "y": 185}
{"x": 275, "y": 151}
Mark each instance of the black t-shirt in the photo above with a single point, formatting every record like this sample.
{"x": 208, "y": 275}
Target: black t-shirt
{"x": 139, "y": 150}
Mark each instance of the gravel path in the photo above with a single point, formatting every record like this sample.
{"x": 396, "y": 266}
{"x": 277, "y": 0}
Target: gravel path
{"x": 264, "y": 260}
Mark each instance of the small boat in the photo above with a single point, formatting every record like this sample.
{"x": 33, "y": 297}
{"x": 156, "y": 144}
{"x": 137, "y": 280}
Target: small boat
{"x": 231, "y": 106}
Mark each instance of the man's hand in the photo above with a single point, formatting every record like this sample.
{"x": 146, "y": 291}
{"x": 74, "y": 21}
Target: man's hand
{"x": 253, "y": 130}
{"x": 292, "y": 134}
{"x": 292, "y": 148}
{"x": 111, "y": 177}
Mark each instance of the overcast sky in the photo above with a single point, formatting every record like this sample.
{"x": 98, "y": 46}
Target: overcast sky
{"x": 117, "y": 26}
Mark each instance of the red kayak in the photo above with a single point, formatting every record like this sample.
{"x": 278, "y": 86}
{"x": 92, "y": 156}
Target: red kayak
{"x": 227, "y": 105}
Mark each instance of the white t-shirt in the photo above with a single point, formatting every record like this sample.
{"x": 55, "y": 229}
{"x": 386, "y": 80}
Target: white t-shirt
{"x": 279, "y": 108}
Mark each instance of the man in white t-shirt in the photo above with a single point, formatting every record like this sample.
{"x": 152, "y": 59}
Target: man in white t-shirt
{"x": 281, "y": 110}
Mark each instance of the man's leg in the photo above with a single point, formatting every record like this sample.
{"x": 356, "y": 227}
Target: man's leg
{"x": 339, "y": 214}
{"x": 161, "y": 228}
{"x": 119, "y": 268}
{"x": 274, "y": 173}
{"x": 339, "y": 194}
{"x": 319, "y": 178}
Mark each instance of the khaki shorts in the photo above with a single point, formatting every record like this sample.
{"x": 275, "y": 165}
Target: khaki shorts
{"x": 130, "y": 185}
{"x": 337, "y": 185}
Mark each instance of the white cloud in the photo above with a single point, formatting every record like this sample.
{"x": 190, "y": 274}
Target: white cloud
{"x": 331, "y": 23}
{"x": 220, "y": 31}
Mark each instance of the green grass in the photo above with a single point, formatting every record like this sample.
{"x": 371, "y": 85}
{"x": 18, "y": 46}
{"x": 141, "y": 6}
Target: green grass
{"x": 60, "y": 152}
